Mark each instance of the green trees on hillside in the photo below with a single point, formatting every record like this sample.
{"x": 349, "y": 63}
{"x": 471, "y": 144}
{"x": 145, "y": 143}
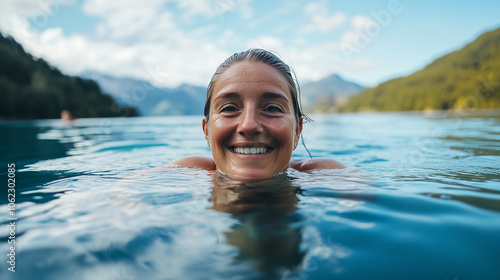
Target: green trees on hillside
{"x": 465, "y": 79}
{"x": 30, "y": 88}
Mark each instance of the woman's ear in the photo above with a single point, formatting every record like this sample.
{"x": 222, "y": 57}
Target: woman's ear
{"x": 204, "y": 125}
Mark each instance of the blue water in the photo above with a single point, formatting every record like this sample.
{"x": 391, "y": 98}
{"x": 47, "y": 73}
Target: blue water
{"x": 420, "y": 200}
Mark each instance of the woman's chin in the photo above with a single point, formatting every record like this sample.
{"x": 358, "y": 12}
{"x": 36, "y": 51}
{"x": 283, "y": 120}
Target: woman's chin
{"x": 249, "y": 175}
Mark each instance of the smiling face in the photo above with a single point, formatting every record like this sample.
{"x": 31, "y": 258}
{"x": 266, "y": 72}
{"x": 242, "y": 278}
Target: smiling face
{"x": 251, "y": 128}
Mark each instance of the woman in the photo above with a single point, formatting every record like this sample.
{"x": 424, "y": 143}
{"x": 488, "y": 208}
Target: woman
{"x": 253, "y": 119}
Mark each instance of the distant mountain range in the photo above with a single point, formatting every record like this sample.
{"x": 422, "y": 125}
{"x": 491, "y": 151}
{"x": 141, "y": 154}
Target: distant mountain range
{"x": 322, "y": 96}
{"x": 31, "y": 88}
{"x": 465, "y": 79}
{"x": 150, "y": 100}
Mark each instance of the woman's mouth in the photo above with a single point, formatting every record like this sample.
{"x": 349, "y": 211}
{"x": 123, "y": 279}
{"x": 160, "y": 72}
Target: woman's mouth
{"x": 250, "y": 150}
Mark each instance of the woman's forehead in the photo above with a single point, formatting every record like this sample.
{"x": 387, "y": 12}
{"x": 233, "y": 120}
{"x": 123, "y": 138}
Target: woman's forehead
{"x": 247, "y": 75}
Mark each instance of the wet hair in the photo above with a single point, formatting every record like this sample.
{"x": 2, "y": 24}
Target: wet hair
{"x": 266, "y": 57}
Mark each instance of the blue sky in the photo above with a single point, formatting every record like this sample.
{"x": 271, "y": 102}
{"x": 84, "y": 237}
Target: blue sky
{"x": 170, "y": 42}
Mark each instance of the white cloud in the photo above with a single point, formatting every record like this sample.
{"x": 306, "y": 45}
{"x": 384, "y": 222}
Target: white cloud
{"x": 17, "y": 16}
{"x": 189, "y": 62}
{"x": 135, "y": 39}
{"x": 145, "y": 40}
{"x": 31, "y": 8}
{"x": 362, "y": 31}
{"x": 125, "y": 19}
{"x": 221, "y": 7}
{"x": 312, "y": 62}
{"x": 210, "y": 9}
{"x": 322, "y": 20}
{"x": 361, "y": 22}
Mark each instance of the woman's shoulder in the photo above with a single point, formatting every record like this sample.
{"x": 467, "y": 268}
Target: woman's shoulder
{"x": 207, "y": 163}
{"x": 193, "y": 162}
{"x": 316, "y": 163}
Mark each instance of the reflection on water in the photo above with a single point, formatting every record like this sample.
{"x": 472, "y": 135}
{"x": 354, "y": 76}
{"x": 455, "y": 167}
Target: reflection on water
{"x": 268, "y": 232}
{"x": 89, "y": 205}
{"x": 18, "y": 143}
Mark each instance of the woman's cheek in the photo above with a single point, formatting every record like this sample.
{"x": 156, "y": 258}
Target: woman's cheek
{"x": 283, "y": 129}
{"x": 220, "y": 127}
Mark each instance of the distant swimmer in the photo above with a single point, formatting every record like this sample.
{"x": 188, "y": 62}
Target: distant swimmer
{"x": 67, "y": 116}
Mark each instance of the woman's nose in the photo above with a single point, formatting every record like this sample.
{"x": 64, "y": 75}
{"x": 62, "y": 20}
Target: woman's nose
{"x": 249, "y": 125}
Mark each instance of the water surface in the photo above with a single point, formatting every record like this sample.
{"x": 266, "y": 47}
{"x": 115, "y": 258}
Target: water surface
{"x": 420, "y": 200}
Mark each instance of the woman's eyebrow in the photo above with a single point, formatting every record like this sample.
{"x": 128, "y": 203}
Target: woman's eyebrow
{"x": 265, "y": 95}
{"x": 271, "y": 95}
{"x": 227, "y": 95}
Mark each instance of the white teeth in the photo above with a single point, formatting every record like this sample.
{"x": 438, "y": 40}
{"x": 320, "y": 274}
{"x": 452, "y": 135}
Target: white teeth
{"x": 251, "y": 151}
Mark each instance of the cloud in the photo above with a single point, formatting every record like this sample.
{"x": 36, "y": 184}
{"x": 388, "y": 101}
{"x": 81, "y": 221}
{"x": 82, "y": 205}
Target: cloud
{"x": 210, "y": 9}
{"x": 221, "y": 7}
{"x": 361, "y": 22}
{"x": 321, "y": 19}
{"x": 362, "y": 31}
{"x": 31, "y": 8}
{"x": 155, "y": 41}
{"x": 312, "y": 62}
{"x": 134, "y": 39}
{"x": 127, "y": 18}
{"x": 18, "y": 16}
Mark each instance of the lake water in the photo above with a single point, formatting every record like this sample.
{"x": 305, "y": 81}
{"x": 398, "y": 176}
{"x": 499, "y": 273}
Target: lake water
{"x": 421, "y": 200}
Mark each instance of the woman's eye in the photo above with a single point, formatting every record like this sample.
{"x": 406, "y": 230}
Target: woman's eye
{"x": 228, "y": 109}
{"x": 273, "y": 109}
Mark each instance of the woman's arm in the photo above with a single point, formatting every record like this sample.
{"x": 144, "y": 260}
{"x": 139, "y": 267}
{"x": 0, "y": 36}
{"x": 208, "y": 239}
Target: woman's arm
{"x": 316, "y": 163}
{"x": 205, "y": 163}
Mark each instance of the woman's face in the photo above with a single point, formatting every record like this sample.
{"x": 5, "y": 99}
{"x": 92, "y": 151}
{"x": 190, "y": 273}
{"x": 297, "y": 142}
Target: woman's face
{"x": 252, "y": 129}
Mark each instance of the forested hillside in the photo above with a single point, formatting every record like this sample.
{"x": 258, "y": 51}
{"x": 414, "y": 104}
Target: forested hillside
{"x": 465, "y": 79}
{"x": 30, "y": 88}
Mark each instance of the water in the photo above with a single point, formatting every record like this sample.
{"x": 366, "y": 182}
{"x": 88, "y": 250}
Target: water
{"x": 421, "y": 200}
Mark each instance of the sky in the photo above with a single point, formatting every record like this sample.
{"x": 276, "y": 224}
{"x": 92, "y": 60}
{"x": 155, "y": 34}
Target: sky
{"x": 172, "y": 42}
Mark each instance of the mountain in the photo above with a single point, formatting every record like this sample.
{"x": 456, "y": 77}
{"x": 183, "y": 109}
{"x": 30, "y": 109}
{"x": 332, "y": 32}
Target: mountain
{"x": 30, "y": 88}
{"x": 468, "y": 78}
{"x": 150, "y": 100}
{"x": 322, "y": 96}
{"x": 327, "y": 94}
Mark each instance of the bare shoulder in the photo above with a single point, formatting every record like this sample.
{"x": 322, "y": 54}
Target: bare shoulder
{"x": 316, "y": 163}
{"x": 193, "y": 162}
